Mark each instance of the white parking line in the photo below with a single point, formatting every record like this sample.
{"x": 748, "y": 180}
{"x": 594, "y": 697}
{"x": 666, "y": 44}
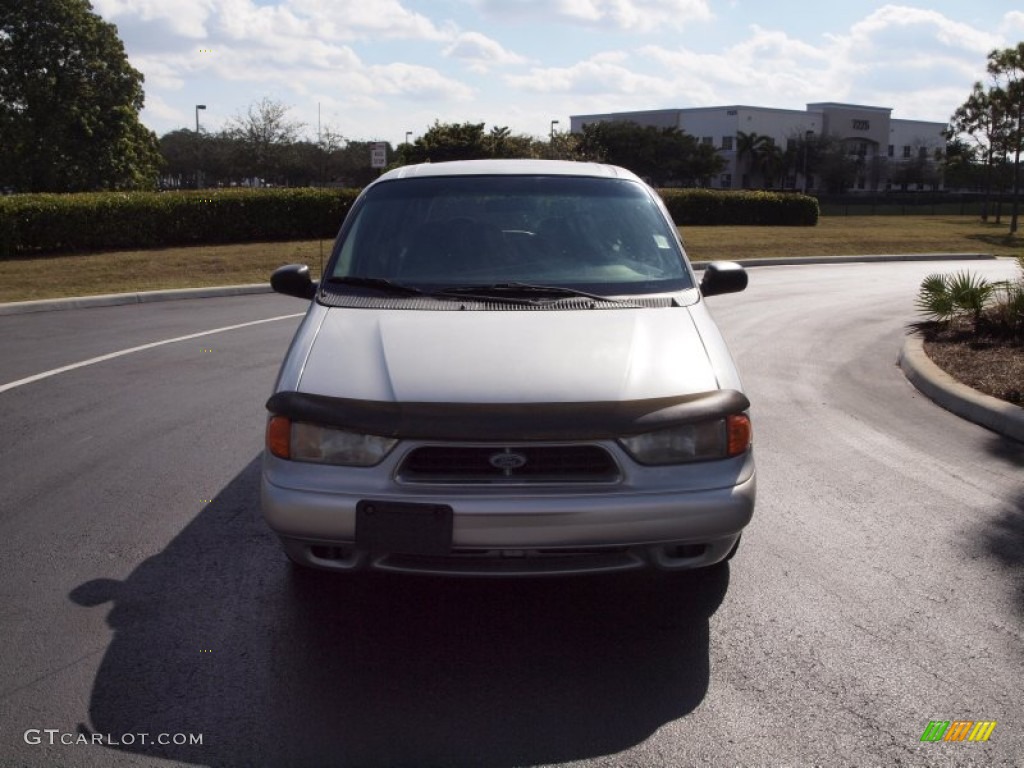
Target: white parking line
{"x": 123, "y": 352}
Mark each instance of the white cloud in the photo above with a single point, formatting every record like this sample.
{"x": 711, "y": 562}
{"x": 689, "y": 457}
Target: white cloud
{"x": 917, "y": 61}
{"x": 480, "y": 52}
{"x": 894, "y": 30}
{"x": 340, "y": 20}
{"x": 1012, "y": 27}
{"x": 603, "y": 74}
{"x": 183, "y": 18}
{"x": 418, "y": 83}
{"x": 159, "y": 109}
{"x": 161, "y": 73}
{"x": 632, "y": 15}
{"x": 290, "y": 49}
{"x": 350, "y": 19}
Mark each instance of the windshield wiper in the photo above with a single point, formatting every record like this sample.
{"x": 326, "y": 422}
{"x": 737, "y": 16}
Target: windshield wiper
{"x": 377, "y": 283}
{"x": 524, "y": 290}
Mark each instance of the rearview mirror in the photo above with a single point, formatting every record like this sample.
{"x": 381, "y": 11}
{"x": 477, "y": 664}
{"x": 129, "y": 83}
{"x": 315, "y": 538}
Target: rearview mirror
{"x": 293, "y": 280}
{"x": 723, "y": 277}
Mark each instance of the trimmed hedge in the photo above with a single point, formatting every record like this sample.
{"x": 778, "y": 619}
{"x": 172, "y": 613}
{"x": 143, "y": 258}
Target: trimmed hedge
{"x": 108, "y": 221}
{"x": 105, "y": 221}
{"x": 714, "y": 207}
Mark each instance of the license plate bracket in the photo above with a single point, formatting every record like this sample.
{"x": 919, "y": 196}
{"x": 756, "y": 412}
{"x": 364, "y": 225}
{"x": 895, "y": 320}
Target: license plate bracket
{"x": 404, "y": 527}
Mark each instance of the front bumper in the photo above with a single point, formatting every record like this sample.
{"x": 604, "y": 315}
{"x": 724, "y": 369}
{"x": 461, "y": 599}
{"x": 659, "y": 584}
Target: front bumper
{"x": 523, "y": 531}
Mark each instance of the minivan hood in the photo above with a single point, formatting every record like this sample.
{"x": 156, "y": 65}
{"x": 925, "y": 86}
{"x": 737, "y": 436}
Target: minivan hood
{"x": 507, "y": 356}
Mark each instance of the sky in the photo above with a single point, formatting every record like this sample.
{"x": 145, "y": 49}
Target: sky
{"x": 373, "y": 70}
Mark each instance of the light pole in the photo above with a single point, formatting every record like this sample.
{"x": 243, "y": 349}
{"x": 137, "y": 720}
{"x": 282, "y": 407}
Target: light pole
{"x": 807, "y": 142}
{"x": 407, "y": 135}
{"x": 199, "y": 173}
{"x": 553, "y": 124}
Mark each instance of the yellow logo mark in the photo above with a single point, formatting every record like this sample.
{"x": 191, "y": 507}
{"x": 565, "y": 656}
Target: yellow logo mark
{"x": 982, "y": 730}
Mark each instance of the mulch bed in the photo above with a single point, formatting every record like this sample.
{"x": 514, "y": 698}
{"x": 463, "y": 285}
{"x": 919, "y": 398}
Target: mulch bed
{"x": 989, "y": 364}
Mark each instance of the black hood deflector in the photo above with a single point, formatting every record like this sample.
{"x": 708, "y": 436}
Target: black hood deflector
{"x": 507, "y": 421}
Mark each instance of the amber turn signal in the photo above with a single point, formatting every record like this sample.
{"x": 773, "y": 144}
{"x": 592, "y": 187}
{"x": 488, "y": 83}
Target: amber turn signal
{"x": 279, "y": 437}
{"x": 740, "y": 433}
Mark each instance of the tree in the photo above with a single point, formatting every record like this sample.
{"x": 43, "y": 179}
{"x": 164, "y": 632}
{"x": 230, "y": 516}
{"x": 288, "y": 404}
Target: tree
{"x": 446, "y": 141}
{"x": 748, "y": 152}
{"x": 981, "y": 118}
{"x": 564, "y": 146}
{"x": 184, "y": 154}
{"x": 69, "y": 102}
{"x": 770, "y": 161}
{"x": 662, "y": 155}
{"x": 959, "y": 165}
{"x": 263, "y": 134}
{"x": 329, "y": 143}
{"x": 353, "y": 163}
{"x": 1007, "y": 70}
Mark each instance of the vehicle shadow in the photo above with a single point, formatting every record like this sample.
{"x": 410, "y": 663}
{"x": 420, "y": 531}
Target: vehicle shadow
{"x": 216, "y": 635}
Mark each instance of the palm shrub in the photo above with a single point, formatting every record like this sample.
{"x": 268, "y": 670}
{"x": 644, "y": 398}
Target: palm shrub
{"x": 947, "y": 298}
{"x": 934, "y": 299}
{"x": 991, "y": 308}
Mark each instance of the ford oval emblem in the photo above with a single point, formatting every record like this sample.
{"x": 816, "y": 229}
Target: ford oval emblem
{"x": 507, "y": 461}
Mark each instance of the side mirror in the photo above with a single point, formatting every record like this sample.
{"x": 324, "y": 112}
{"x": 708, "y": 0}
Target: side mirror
{"x": 723, "y": 277}
{"x": 293, "y": 280}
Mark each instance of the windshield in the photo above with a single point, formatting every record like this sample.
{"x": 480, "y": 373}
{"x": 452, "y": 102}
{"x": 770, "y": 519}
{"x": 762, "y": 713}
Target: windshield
{"x": 604, "y": 235}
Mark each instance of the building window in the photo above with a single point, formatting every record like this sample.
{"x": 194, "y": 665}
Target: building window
{"x": 906, "y": 150}
{"x": 892, "y": 151}
{"x": 726, "y": 179}
{"x": 922, "y": 153}
{"x": 727, "y": 143}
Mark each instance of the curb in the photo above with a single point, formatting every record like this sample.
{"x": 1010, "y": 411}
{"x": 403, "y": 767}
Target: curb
{"x": 998, "y": 415}
{"x": 800, "y": 260}
{"x": 144, "y": 297}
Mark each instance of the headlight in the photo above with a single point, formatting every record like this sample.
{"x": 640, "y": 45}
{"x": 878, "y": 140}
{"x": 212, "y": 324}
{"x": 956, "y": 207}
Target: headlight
{"x": 705, "y": 441}
{"x": 324, "y": 445}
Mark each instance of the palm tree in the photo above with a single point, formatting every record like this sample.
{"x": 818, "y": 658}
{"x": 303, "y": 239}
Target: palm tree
{"x": 769, "y": 160}
{"x": 746, "y": 152}
{"x": 759, "y": 154}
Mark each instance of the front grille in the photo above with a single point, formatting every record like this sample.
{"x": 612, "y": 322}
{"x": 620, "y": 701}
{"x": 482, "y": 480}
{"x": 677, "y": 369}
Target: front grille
{"x": 514, "y": 464}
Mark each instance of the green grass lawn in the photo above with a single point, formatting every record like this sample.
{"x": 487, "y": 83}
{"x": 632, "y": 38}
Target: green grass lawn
{"x": 87, "y": 274}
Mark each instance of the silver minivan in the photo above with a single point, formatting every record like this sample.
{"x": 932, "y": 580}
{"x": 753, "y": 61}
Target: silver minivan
{"x": 508, "y": 368}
